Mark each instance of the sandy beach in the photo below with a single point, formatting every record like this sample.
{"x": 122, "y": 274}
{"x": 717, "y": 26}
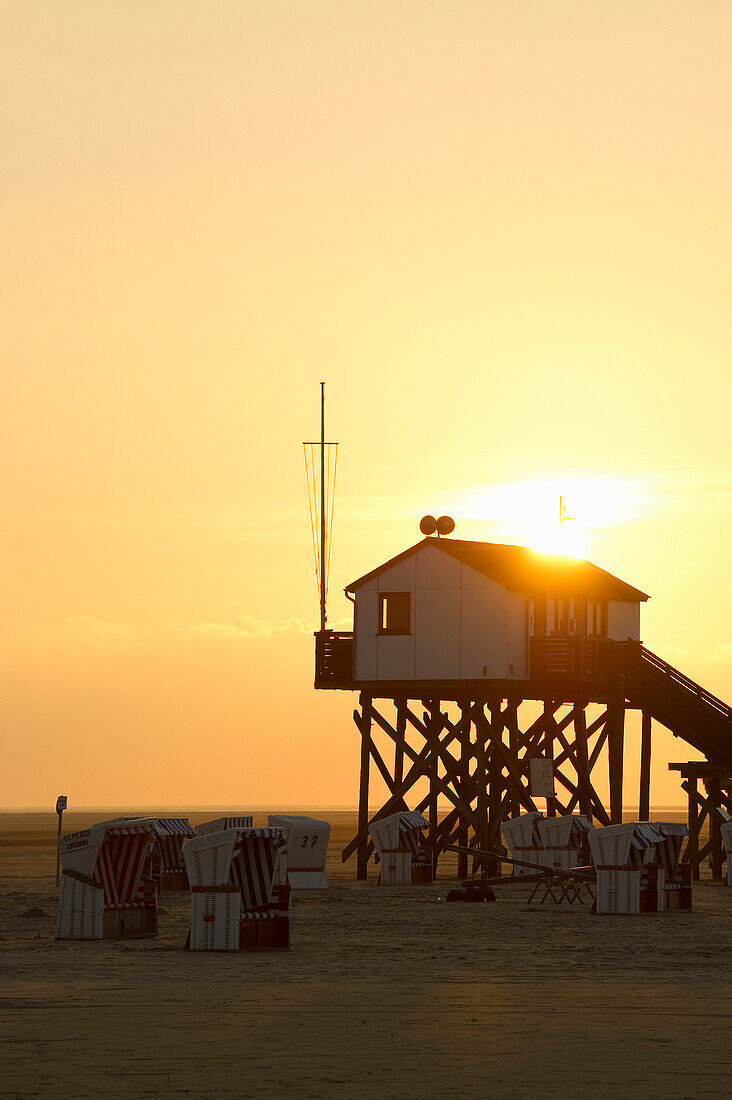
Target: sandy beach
{"x": 385, "y": 993}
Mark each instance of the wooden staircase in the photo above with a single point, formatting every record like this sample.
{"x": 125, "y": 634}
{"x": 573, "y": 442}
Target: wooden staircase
{"x": 674, "y": 700}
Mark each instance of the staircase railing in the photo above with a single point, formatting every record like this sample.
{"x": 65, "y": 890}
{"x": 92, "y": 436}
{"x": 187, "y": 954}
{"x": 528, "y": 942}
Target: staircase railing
{"x": 636, "y": 653}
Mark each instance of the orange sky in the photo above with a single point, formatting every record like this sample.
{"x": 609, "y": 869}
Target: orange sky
{"x": 500, "y": 230}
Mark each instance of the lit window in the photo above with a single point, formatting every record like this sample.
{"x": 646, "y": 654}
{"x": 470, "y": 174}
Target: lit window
{"x": 394, "y": 613}
{"x": 595, "y": 619}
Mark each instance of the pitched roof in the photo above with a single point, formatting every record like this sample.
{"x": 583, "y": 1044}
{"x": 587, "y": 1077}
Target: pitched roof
{"x": 521, "y": 569}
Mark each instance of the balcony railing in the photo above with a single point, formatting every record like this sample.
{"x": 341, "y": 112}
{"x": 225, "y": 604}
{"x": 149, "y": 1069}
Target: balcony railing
{"x": 571, "y": 658}
{"x": 333, "y": 658}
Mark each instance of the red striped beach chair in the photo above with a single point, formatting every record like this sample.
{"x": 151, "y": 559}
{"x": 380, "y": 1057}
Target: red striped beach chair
{"x": 236, "y": 904}
{"x": 107, "y": 891}
{"x": 230, "y": 821}
{"x": 677, "y": 875}
{"x": 170, "y": 835}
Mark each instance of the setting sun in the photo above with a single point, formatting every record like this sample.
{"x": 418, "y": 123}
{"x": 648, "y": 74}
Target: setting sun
{"x": 528, "y": 512}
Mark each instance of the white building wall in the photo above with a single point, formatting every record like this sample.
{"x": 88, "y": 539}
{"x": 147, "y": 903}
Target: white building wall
{"x": 463, "y": 625}
{"x": 459, "y": 622}
{"x": 366, "y": 613}
{"x": 623, "y": 620}
{"x": 517, "y": 609}
{"x": 484, "y": 627}
{"x": 437, "y": 616}
{"x": 395, "y": 652}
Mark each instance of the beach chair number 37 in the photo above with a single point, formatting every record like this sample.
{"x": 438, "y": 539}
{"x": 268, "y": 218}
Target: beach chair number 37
{"x": 313, "y": 841}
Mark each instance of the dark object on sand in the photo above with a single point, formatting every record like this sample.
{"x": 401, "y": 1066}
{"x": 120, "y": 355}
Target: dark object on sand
{"x": 486, "y": 894}
{"x": 471, "y": 893}
{"x": 35, "y": 914}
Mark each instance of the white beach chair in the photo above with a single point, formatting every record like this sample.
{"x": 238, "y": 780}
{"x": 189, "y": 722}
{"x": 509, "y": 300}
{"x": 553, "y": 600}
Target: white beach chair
{"x": 562, "y": 840}
{"x": 521, "y": 837}
{"x": 399, "y": 843}
{"x": 628, "y": 862}
{"x": 302, "y": 865}
{"x": 107, "y": 890}
{"x": 235, "y": 902}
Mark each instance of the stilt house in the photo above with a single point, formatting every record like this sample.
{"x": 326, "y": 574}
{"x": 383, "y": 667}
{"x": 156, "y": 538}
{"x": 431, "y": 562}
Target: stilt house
{"x": 471, "y": 631}
{"x": 467, "y": 612}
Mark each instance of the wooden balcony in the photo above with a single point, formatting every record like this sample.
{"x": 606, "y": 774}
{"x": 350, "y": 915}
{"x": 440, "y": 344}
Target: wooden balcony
{"x": 571, "y": 659}
{"x": 334, "y": 659}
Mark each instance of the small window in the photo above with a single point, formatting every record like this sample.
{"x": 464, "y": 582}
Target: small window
{"x": 394, "y": 613}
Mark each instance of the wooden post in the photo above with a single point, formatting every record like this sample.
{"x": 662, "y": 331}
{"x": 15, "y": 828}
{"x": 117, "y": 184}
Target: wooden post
{"x": 548, "y": 747}
{"x": 615, "y": 744}
{"x": 583, "y": 764}
{"x": 514, "y": 743}
{"x": 364, "y": 724}
{"x": 466, "y": 724}
{"x": 401, "y": 731}
{"x": 644, "y": 793}
{"x": 692, "y": 850}
{"x": 714, "y": 796}
{"x": 482, "y": 732}
{"x": 61, "y": 803}
{"x": 434, "y": 724}
{"x": 496, "y": 785}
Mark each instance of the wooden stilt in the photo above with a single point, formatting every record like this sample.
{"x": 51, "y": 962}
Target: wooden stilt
{"x": 465, "y": 756}
{"x": 644, "y": 792}
{"x": 363, "y": 794}
{"x": 692, "y": 849}
{"x": 435, "y": 726}
{"x": 581, "y": 759}
{"x": 716, "y": 854}
{"x": 482, "y": 734}
{"x": 548, "y": 749}
{"x": 496, "y": 785}
{"x": 510, "y": 722}
{"x": 615, "y": 741}
{"x": 401, "y": 731}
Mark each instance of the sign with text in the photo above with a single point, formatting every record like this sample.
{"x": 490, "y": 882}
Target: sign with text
{"x": 541, "y": 776}
{"x": 61, "y": 803}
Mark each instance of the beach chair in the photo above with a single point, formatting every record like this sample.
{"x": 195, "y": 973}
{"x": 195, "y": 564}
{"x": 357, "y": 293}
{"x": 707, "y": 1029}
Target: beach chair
{"x": 521, "y": 837}
{"x": 170, "y": 869}
{"x": 235, "y": 821}
{"x": 302, "y": 865}
{"x": 563, "y": 841}
{"x": 726, "y": 831}
{"x": 107, "y": 889}
{"x": 677, "y": 875}
{"x": 399, "y": 844}
{"x": 628, "y": 862}
{"x": 235, "y": 902}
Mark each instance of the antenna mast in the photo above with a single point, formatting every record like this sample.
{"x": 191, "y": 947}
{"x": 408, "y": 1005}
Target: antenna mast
{"x": 323, "y": 615}
{"x": 321, "y": 525}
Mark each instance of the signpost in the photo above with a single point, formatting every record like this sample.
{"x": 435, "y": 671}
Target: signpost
{"x": 541, "y": 776}
{"x": 61, "y": 803}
